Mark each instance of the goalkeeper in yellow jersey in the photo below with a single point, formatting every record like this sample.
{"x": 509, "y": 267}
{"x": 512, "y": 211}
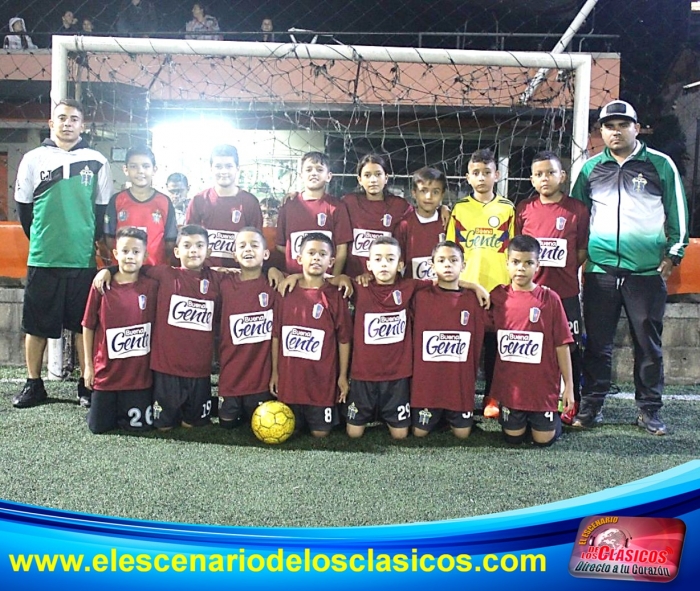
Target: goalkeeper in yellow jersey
{"x": 483, "y": 225}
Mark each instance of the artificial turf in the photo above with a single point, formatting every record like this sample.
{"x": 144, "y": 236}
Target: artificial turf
{"x": 209, "y": 475}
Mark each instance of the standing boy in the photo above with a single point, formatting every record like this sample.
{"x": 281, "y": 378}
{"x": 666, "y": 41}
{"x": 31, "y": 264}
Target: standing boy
{"x": 533, "y": 350}
{"x": 62, "y": 190}
{"x": 448, "y": 332}
{"x": 143, "y": 207}
{"x": 560, "y": 224}
{"x": 225, "y": 208}
{"x": 313, "y": 210}
{"x": 312, "y": 331}
{"x": 421, "y": 229}
{"x": 117, "y": 328}
{"x": 247, "y": 304}
{"x": 483, "y": 226}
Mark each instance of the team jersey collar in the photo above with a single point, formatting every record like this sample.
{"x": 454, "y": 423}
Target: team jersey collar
{"x": 639, "y": 153}
{"x": 49, "y": 143}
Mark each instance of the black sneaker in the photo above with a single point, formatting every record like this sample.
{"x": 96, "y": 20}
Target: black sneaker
{"x": 588, "y": 416}
{"x": 32, "y": 394}
{"x": 651, "y": 421}
{"x": 84, "y": 394}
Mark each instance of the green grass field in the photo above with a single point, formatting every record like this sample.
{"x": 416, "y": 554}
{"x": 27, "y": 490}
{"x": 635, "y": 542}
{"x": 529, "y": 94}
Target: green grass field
{"x": 208, "y": 475}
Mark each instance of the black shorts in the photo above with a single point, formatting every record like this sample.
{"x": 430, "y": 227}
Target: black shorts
{"x": 179, "y": 400}
{"x": 428, "y": 419}
{"x": 316, "y": 418}
{"x": 389, "y": 401}
{"x": 572, "y": 308}
{"x": 130, "y": 410}
{"x": 55, "y": 299}
{"x": 515, "y": 420}
{"x": 239, "y": 409}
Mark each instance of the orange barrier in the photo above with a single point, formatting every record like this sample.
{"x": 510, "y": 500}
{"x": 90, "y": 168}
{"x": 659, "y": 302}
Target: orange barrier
{"x": 686, "y": 277}
{"x": 14, "y": 251}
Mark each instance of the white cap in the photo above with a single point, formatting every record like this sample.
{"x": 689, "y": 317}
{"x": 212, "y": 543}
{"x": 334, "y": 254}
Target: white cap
{"x": 617, "y": 110}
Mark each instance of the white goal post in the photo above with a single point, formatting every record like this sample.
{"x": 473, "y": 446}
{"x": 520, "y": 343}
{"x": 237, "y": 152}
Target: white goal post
{"x": 577, "y": 63}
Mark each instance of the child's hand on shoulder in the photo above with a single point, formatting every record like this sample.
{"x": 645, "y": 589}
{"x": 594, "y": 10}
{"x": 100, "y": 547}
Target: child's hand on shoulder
{"x": 102, "y": 281}
{"x": 343, "y": 283}
{"x": 275, "y": 277}
{"x": 365, "y": 279}
{"x": 288, "y": 284}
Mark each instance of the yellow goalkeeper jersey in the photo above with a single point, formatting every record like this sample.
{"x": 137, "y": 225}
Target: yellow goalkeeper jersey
{"x": 483, "y": 230}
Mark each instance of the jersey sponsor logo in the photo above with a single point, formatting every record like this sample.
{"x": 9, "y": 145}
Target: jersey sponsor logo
{"x": 560, "y": 223}
{"x": 481, "y": 238}
{"x": 236, "y": 216}
{"x": 362, "y": 240}
{"x": 204, "y": 286}
{"x": 535, "y": 314}
{"x": 385, "y": 329}
{"x": 157, "y": 216}
{"x": 222, "y": 243}
{"x": 321, "y": 219}
{"x": 122, "y": 215}
{"x": 520, "y": 346}
{"x": 190, "y": 313}
{"x": 302, "y": 342}
{"x": 86, "y": 176}
{"x": 423, "y": 268}
{"x": 424, "y": 416}
{"x": 386, "y": 220}
{"x": 398, "y": 297}
{"x": 553, "y": 252}
{"x": 450, "y": 346}
{"x": 464, "y": 317}
{"x": 142, "y": 302}
{"x": 45, "y": 175}
{"x": 263, "y": 299}
{"x": 128, "y": 341}
{"x": 251, "y": 328}
{"x": 296, "y": 238}
{"x": 316, "y": 311}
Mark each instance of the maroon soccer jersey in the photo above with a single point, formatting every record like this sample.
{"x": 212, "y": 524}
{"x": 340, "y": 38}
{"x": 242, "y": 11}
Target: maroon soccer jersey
{"x": 297, "y": 218}
{"x": 562, "y": 229}
{"x": 183, "y": 341}
{"x": 155, "y": 215}
{"x": 448, "y": 332}
{"x": 417, "y": 237}
{"x": 223, "y": 217}
{"x": 309, "y": 324}
{"x": 246, "y": 336}
{"x": 123, "y": 320}
{"x": 383, "y": 341}
{"x": 529, "y": 325}
{"x": 369, "y": 220}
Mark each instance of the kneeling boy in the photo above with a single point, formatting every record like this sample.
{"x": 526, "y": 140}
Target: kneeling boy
{"x": 533, "y": 340}
{"x": 117, "y": 341}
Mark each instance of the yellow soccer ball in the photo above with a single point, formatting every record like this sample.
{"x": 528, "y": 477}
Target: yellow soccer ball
{"x": 273, "y": 422}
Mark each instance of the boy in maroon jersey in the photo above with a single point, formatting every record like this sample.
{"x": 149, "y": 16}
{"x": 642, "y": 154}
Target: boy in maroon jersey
{"x": 533, "y": 340}
{"x": 560, "y": 223}
{"x": 313, "y": 210}
{"x": 143, "y": 207}
{"x": 421, "y": 229}
{"x": 448, "y": 332}
{"x": 247, "y": 302}
{"x": 312, "y": 331}
{"x": 117, "y": 340}
{"x": 382, "y": 357}
{"x": 225, "y": 208}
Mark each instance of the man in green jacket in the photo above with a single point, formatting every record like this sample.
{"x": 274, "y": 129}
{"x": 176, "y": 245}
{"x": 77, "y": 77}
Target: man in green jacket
{"x": 638, "y": 231}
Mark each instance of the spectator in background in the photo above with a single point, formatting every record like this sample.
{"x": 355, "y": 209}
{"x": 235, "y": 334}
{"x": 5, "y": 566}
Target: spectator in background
{"x": 69, "y": 24}
{"x": 201, "y": 24}
{"x": 18, "y": 38}
{"x": 88, "y": 27}
{"x": 267, "y": 28}
{"x": 137, "y": 18}
{"x": 178, "y": 187}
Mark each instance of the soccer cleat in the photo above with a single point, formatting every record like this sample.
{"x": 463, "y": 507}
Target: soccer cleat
{"x": 32, "y": 394}
{"x": 651, "y": 421}
{"x": 84, "y": 394}
{"x": 587, "y": 417}
{"x": 568, "y": 417}
{"x": 491, "y": 410}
